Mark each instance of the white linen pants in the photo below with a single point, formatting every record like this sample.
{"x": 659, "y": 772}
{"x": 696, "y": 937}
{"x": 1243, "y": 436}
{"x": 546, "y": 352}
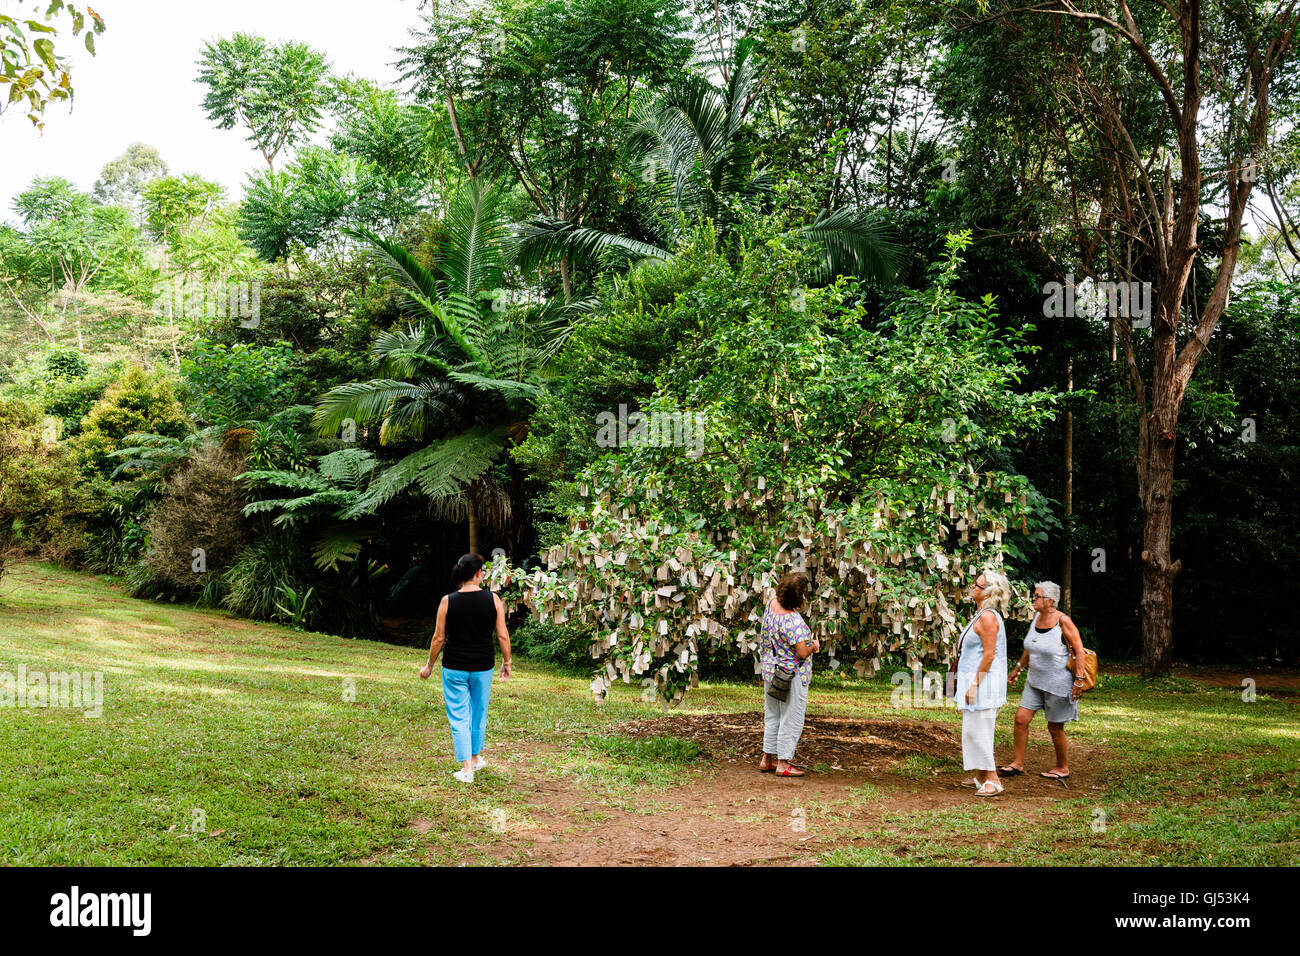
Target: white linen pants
{"x": 977, "y": 739}
{"x": 783, "y": 719}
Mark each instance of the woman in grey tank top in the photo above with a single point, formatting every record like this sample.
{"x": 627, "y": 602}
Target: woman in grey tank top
{"x": 1049, "y": 686}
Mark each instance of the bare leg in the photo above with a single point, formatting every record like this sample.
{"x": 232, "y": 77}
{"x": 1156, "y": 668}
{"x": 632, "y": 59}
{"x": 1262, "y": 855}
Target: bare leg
{"x": 1062, "y": 748}
{"x": 1021, "y": 736}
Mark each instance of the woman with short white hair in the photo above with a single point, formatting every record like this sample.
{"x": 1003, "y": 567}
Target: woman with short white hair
{"x": 1050, "y": 685}
{"x": 981, "y": 678}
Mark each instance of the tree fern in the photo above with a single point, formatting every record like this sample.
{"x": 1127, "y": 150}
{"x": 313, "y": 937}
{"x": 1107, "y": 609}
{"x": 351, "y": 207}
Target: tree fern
{"x": 442, "y": 469}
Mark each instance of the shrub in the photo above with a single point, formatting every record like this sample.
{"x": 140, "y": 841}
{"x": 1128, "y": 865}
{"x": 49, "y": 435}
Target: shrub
{"x": 65, "y": 363}
{"x": 200, "y": 510}
{"x": 70, "y": 400}
{"x": 236, "y": 383}
{"x": 138, "y": 402}
{"x": 42, "y": 505}
{"x": 552, "y": 643}
{"x": 117, "y": 535}
{"x": 869, "y": 458}
{"x": 255, "y": 583}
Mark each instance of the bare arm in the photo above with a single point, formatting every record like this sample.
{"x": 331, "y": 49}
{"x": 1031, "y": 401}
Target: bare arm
{"x": 806, "y": 649}
{"x": 438, "y": 639}
{"x": 987, "y": 629}
{"x": 1076, "y": 644}
{"x": 503, "y": 636}
{"x": 1020, "y": 665}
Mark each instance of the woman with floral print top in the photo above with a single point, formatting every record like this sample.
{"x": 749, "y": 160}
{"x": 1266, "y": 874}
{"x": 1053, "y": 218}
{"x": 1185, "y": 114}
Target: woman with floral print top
{"x": 785, "y": 641}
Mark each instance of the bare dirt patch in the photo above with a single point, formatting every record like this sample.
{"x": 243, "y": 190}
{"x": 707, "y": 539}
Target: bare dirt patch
{"x": 842, "y": 743}
{"x": 726, "y": 813}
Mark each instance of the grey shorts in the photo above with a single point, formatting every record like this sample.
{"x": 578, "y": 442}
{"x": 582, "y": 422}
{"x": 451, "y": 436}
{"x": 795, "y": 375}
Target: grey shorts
{"x": 1058, "y": 710}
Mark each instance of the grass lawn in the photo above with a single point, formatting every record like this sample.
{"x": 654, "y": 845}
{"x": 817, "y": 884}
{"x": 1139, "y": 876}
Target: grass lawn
{"x": 228, "y": 742}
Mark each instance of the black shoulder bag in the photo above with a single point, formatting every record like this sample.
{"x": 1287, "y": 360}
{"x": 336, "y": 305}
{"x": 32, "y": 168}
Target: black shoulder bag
{"x": 779, "y": 687}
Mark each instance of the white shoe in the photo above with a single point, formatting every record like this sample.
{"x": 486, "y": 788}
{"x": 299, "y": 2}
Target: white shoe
{"x": 480, "y": 763}
{"x": 990, "y": 789}
{"x": 464, "y": 776}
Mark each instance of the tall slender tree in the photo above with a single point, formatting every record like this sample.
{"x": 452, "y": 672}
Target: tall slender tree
{"x": 1160, "y": 124}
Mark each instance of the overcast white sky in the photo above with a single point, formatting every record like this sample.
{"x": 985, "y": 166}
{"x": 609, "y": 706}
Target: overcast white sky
{"x": 141, "y": 84}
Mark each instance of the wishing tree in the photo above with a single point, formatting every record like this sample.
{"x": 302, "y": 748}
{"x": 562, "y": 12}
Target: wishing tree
{"x": 867, "y": 455}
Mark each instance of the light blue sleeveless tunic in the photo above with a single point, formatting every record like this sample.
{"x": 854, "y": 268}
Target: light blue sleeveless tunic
{"x": 992, "y": 691}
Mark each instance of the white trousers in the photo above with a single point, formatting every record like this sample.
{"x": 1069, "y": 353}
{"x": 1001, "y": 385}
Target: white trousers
{"x": 783, "y": 719}
{"x": 977, "y": 739}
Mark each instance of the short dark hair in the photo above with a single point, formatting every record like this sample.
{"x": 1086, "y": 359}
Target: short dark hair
{"x": 791, "y": 589}
{"x": 466, "y": 567}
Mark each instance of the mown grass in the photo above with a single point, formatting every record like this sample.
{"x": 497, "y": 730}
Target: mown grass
{"x": 228, "y": 742}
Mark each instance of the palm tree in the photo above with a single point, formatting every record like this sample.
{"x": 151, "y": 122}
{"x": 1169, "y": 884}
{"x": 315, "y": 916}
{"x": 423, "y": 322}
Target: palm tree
{"x": 460, "y": 380}
{"x": 695, "y": 144}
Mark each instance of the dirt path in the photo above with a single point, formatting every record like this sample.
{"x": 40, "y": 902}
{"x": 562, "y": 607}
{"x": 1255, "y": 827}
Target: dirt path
{"x": 728, "y": 814}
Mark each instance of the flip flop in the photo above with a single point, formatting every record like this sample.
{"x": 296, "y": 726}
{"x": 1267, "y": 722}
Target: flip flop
{"x": 981, "y": 792}
{"x": 790, "y": 772}
{"x": 1010, "y": 771}
{"x": 1052, "y": 775}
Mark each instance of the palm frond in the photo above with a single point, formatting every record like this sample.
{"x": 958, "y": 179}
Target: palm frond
{"x": 399, "y": 265}
{"x": 853, "y": 243}
{"x": 466, "y": 313}
{"x": 556, "y": 324}
{"x": 418, "y": 286}
{"x": 478, "y": 245}
{"x": 544, "y": 241}
{"x": 511, "y": 390}
{"x": 362, "y": 402}
{"x": 439, "y": 403}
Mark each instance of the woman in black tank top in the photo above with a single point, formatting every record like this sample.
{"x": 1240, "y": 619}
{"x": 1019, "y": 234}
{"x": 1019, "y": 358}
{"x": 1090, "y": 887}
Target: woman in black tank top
{"x": 468, "y": 620}
{"x": 471, "y": 619}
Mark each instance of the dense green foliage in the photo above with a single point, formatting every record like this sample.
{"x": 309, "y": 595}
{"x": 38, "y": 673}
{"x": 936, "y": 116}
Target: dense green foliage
{"x": 824, "y": 229}
{"x": 787, "y": 432}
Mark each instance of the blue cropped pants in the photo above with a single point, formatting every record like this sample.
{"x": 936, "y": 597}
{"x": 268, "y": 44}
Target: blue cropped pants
{"x": 466, "y": 695}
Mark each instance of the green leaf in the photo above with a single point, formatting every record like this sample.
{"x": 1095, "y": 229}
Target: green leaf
{"x": 45, "y": 50}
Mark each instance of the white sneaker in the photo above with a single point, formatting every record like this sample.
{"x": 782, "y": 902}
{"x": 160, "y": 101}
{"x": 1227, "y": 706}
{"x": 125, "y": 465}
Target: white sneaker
{"x": 464, "y": 776}
{"x": 480, "y": 763}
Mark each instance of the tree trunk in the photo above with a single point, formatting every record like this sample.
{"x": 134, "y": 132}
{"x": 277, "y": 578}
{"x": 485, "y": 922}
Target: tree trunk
{"x": 1158, "y": 572}
{"x": 564, "y": 278}
{"x": 473, "y": 521}
{"x": 1157, "y": 442}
